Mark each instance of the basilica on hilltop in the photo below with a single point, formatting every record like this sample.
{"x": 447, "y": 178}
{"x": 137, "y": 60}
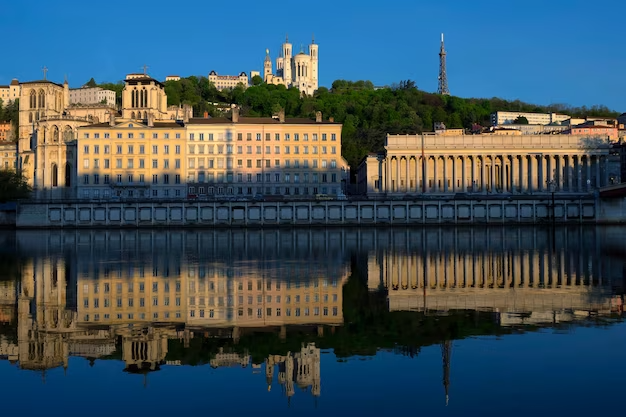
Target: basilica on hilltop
{"x": 299, "y": 71}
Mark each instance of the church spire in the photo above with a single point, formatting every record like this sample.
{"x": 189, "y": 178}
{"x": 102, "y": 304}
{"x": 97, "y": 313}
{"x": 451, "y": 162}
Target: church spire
{"x": 313, "y": 39}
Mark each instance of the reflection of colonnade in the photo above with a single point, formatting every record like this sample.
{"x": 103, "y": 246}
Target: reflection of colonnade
{"x": 488, "y": 164}
{"x": 486, "y": 269}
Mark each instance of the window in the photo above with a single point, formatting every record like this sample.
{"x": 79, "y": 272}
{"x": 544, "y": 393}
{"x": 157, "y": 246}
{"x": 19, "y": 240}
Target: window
{"x": 333, "y": 137}
{"x": 323, "y": 136}
{"x": 142, "y": 163}
{"x": 155, "y": 163}
{"x": 166, "y": 149}
{"x": 107, "y": 149}
{"x": 86, "y": 149}
{"x": 119, "y": 149}
{"x": 177, "y": 150}
{"x": 130, "y": 164}
{"x": 85, "y": 163}
{"x": 130, "y": 149}
{"x": 118, "y": 163}
{"x": 155, "y": 149}
{"x": 277, "y": 137}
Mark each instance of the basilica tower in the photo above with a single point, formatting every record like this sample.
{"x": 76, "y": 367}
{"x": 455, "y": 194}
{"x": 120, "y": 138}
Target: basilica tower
{"x": 313, "y": 52}
{"x": 267, "y": 65}
{"x": 287, "y": 62}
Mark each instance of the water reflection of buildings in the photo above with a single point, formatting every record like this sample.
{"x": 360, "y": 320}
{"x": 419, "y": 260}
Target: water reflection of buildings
{"x": 525, "y": 275}
{"x": 131, "y": 294}
{"x": 96, "y": 298}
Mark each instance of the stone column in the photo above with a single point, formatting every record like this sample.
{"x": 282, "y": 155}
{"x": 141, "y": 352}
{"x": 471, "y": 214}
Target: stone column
{"x": 435, "y": 187}
{"x": 579, "y": 173}
{"x": 532, "y": 169}
{"x": 606, "y": 170}
{"x": 588, "y": 167}
{"x": 544, "y": 171}
{"x": 454, "y": 174}
{"x": 502, "y": 176}
{"x": 397, "y": 182}
{"x": 570, "y": 173}
{"x": 514, "y": 173}
{"x": 598, "y": 172}
{"x": 492, "y": 174}
{"x": 445, "y": 174}
{"x": 463, "y": 174}
{"x": 524, "y": 169}
{"x": 417, "y": 176}
{"x": 386, "y": 171}
{"x": 473, "y": 179}
{"x": 482, "y": 174}
{"x": 407, "y": 179}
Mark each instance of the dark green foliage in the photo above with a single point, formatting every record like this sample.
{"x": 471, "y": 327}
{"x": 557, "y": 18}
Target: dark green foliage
{"x": 521, "y": 120}
{"x": 13, "y": 186}
{"x": 117, "y": 87}
{"x": 91, "y": 83}
{"x": 367, "y": 113}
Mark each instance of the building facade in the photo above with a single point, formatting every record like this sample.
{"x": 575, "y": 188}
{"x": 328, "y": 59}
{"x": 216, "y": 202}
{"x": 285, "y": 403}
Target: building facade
{"x": 10, "y": 93}
{"x": 8, "y": 156}
{"x": 248, "y": 156}
{"x": 508, "y": 117}
{"x": 5, "y": 131}
{"x": 222, "y": 82}
{"x": 300, "y": 71}
{"x": 92, "y": 95}
{"x": 129, "y": 159}
{"x": 488, "y": 164}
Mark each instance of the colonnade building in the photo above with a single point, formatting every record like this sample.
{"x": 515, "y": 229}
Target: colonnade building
{"x": 488, "y": 164}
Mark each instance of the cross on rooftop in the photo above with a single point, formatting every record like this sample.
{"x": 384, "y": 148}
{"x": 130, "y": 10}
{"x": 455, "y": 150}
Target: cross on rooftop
{"x": 145, "y": 70}
{"x": 45, "y": 71}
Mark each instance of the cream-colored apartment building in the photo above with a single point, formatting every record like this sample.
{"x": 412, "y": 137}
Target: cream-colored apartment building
{"x": 131, "y": 159}
{"x": 247, "y": 156}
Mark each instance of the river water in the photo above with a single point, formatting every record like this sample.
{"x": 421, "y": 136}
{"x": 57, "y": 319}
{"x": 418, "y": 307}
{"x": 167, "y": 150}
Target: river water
{"x": 314, "y": 322}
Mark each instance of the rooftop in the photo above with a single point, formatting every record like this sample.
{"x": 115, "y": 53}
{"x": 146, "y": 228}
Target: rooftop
{"x": 42, "y": 82}
{"x": 258, "y": 120}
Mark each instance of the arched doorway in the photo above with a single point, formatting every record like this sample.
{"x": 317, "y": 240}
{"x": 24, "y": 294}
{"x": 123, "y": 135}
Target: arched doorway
{"x": 55, "y": 175}
{"x": 68, "y": 175}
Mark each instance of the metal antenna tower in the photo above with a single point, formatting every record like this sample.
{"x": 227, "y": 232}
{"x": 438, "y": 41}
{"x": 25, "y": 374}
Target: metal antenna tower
{"x": 443, "y": 78}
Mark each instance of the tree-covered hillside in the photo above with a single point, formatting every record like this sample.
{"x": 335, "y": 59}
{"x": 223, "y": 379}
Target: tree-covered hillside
{"x": 367, "y": 113}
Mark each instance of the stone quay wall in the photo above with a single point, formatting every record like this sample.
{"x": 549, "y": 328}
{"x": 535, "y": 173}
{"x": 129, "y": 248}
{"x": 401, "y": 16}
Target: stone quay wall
{"x": 307, "y": 213}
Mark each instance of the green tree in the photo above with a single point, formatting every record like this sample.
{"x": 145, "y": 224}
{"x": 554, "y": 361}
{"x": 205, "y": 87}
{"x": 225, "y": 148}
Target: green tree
{"x": 91, "y": 83}
{"x": 257, "y": 80}
{"x": 13, "y": 186}
{"x": 520, "y": 120}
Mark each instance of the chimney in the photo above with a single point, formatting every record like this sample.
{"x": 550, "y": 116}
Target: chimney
{"x": 235, "y": 115}
{"x": 206, "y": 114}
{"x": 187, "y": 111}
{"x": 111, "y": 118}
{"x": 281, "y": 116}
{"x": 150, "y": 120}
{"x": 331, "y": 119}
{"x": 318, "y": 117}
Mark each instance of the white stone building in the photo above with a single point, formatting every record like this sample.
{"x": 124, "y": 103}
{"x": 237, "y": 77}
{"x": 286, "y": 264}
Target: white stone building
{"x": 92, "y": 95}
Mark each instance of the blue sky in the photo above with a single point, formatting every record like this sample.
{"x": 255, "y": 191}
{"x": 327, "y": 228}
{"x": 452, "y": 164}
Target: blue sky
{"x": 540, "y": 51}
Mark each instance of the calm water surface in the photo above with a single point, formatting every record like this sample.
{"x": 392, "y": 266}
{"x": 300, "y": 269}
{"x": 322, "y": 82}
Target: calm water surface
{"x": 437, "y": 321}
